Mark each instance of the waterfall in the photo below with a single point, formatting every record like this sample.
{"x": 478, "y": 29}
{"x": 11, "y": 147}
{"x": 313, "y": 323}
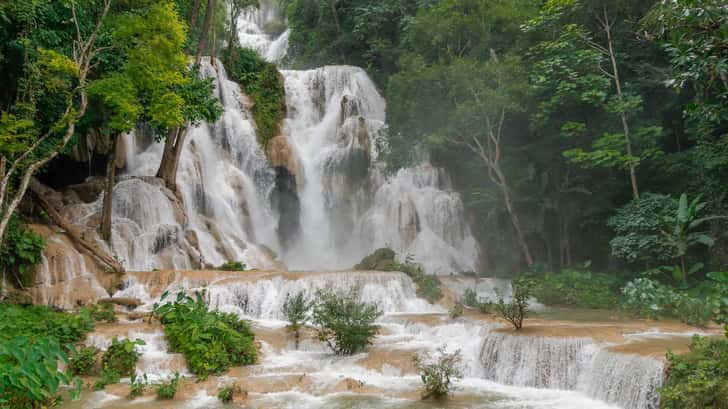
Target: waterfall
{"x": 629, "y": 381}
{"x": 263, "y": 297}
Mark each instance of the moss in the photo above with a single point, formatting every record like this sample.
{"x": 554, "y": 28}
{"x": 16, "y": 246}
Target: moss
{"x": 264, "y": 85}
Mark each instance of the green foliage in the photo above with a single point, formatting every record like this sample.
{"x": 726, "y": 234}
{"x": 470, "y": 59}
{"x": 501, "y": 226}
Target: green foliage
{"x": 20, "y": 251}
{"x": 232, "y": 266}
{"x": 719, "y": 283}
{"x": 29, "y": 373}
{"x": 211, "y": 341}
{"x": 261, "y": 81}
{"x": 516, "y": 309}
{"x": 470, "y": 299}
{"x": 698, "y": 379}
{"x": 648, "y": 298}
{"x": 297, "y": 310}
{"x": 121, "y": 356}
{"x": 383, "y": 259}
{"x": 639, "y": 225}
{"x": 167, "y": 390}
{"x": 107, "y": 377}
{"x": 577, "y": 288}
{"x": 101, "y": 312}
{"x": 83, "y": 361}
{"x": 345, "y": 325}
{"x": 42, "y": 322}
{"x": 438, "y": 374}
{"x": 138, "y": 385}
{"x": 227, "y": 392}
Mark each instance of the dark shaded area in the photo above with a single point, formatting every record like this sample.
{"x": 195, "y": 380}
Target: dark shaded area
{"x": 285, "y": 200}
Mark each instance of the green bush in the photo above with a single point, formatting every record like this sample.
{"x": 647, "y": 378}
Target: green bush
{"x": 138, "y": 385}
{"x": 575, "y": 288}
{"x": 211, "y": 341}
{"x": 121, "y": 356}
{"x": 232, "y": 266}
{"x": 698, "y": 379}
{"x": 101, "y": 312}
{"x": 83, "y": 361}
{"x": 108, "y": 377}
{"x": 516, "y": 310}
{"x": 42, "y": 322}
{"x": 265, "y": 86}
{"x": 383, "y": 259}
{"x": 296, "y": 310}
{"x": 345, "y": 325}
{"x": 438, "y": 375}
{"x": 470, "y": 299}
{"x": 227, "y": 392}
{"x": 167, "y": 390}
{"x": 21, "y": 250}
{"x": 29, "y": 373}
{"x": 649, "y": 299}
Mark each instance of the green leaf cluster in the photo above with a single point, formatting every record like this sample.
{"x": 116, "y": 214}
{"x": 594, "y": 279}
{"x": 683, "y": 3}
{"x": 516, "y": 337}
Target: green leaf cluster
{"x": 21, "y": 250}
{"x": 263, "y": 84}
{"x": 345, "y": 324}
{"x": 698, "y": 379}
{"x": 211, "y": 341}
{"x": 577, "y": 288}
{"x": 121, "y": 356}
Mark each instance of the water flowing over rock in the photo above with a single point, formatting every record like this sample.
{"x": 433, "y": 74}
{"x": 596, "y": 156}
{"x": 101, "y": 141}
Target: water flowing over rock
{"x": 629, "y": 381}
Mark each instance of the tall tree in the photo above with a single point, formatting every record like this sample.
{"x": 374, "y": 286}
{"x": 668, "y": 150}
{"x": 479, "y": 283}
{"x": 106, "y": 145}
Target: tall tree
{"x": 64, "y": 76}
{"x": 202, "y": 43}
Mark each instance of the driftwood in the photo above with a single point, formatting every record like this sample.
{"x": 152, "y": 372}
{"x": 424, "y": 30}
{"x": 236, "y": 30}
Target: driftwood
{"x": 41, "y": 193}
{"x": 123, "y": 301}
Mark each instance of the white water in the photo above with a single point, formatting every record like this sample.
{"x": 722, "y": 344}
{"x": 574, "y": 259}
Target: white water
{"x": 500, "y": 370}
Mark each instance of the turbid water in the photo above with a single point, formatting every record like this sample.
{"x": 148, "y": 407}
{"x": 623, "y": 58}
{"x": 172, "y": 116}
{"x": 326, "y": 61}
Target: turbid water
{"x": 339, "y": 206}
{"x": 552, "y": 364}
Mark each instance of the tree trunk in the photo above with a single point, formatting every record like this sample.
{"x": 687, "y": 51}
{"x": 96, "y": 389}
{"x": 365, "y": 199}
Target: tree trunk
{"x": 171, "y": 157}
{"x": 620, "y": 96}
{"x": 195, "y": 13}
{"x": 205, "y": 29}
{"x": 109, "y": 192}
{"x": 515, "y": 221}
{"x": 213, "y": 46}
{"x": 41, "y": 192}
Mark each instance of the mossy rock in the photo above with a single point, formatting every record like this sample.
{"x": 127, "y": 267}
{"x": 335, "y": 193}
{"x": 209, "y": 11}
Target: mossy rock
{"x": 382, "y": 259}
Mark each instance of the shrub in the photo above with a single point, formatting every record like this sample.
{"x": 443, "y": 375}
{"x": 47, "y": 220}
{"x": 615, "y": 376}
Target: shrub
{"x": 232, "y": 266}
{"x": 35, "y": 322}
{"x": 516, "y": 310}
{"x": 296, "y": 310}
{"x": 347, "y": 326}
{"x": 138, "y": 385}
{"x": 227, "y": 392}
{"x": 21, "y": 250}
{"x": 29, "y": 374}
{"x": 83, "y": 361}
{"x": 167, "y": 390}
{"x": 108, "y": 377}
{"x": 383, "y": 259}
{"x": 264, "y": 85}
{"x": 101, "y": 312}
{"x": 211, "y": 341}
{"x": 576, "y": 288}
{"x": 438, "y": 375}
{"x": 470, "y": 299}
{"x": 648, "y": 298}
{"x": 698, "y": 379}
{"x": 121, "y": 357}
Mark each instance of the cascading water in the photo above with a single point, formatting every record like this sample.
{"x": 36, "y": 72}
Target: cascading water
{"x": 629, "y": 381}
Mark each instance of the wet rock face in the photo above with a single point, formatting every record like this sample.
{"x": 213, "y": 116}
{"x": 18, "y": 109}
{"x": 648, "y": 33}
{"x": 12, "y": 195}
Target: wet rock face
{"x": 285, "y": 200}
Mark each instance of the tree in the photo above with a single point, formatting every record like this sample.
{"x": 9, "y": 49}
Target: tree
{"x": 345, "y": 325}
{"x": 66, "y": 78}
{"x": 296, "y": 309}
{"x": 516, "y": 309}
{"x": 438, "y": 374}
{"x": 202, "y": 43}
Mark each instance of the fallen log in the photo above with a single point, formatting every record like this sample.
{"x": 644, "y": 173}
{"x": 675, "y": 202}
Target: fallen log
{"x": 41, "y": 192}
